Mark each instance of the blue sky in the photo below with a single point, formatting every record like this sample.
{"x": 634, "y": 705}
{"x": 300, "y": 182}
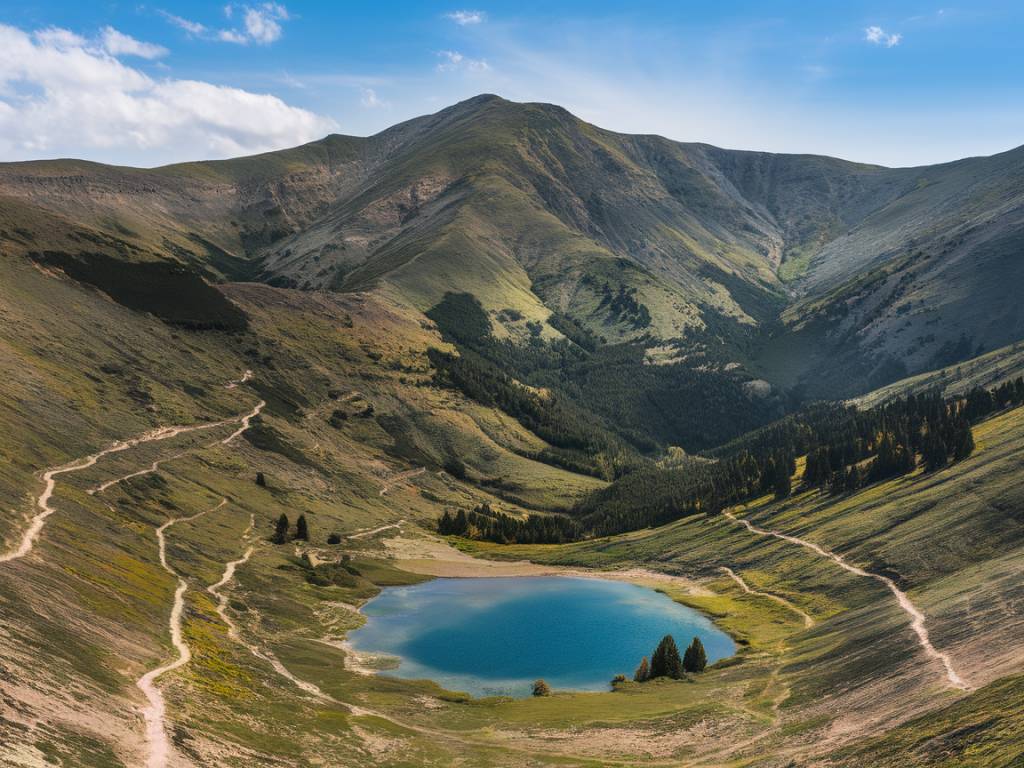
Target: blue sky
{"x": 141, "y": 84}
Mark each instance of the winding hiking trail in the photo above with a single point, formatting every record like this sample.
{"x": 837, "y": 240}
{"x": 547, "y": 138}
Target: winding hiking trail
{"x": 245, "y": 419}
{"x": 917, "y": 617}
{"x": 37, "y": 523}
{"x": 28, "y": 539}
{"x": 229, "y": 574}
{"x": 155, "y": 712}
{"x": 808, "y": 621}
{"x": 394, "y": 480}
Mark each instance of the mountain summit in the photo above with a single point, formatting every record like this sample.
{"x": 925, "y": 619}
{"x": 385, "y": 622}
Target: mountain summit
{"x": 717, "y": 255}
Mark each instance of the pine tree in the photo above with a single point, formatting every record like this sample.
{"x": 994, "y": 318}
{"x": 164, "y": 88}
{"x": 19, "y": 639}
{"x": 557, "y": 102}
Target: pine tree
{"x": 301, "y": 528}
{"x": 261, "y": 481}
{"x": 781, "y": 483}
{"x": 643, "y": 672}
{"x": 665, "y": 661}
{"x": 964, "y": 445}
{"x": 695, "y": 659}
{"x": 281, "y": 531}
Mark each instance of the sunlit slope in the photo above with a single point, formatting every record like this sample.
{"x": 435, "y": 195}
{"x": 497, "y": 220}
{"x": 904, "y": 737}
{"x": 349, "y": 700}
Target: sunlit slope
{"x": 951, "y": 540}
{"x": 886, "y": 272}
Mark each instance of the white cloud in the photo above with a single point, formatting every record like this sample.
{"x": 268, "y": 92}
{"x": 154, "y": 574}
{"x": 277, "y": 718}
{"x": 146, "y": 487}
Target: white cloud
{"x": 60, "y": 39}
{"x": 191, "y": 27}
{"x": 260, "y": 24}
{"x": 466, "y": 18}
{"x": 370, "y": 100}
{"x": 119, "y": 44}
{"x": 452, "y": 61}
{"x": 60, "y": 96}
{"x": 879, "y": 36}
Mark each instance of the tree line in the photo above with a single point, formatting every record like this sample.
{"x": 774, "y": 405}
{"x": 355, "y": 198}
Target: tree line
{"x": 845, "y": 448}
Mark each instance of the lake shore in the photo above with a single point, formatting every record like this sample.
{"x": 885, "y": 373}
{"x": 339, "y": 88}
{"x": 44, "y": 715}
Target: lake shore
{"x": 435, "y": 557}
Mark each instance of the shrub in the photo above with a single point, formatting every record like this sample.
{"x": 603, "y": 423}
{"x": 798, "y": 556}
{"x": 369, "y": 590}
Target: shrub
{"x": 540, "y": 688}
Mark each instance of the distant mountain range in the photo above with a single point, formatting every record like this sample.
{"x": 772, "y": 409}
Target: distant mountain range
{"x": 814, "y": 274}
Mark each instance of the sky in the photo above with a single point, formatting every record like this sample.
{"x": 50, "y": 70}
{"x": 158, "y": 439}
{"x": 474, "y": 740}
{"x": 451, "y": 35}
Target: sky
{"x": 893, "y": 83}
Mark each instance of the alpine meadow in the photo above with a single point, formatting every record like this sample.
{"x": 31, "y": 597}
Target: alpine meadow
{"x": 495, "y": 437}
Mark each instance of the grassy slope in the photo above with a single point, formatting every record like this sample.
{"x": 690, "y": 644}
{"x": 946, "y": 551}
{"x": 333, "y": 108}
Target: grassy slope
{"x": 953, "y": 541}
{"x": 95, "y": 587}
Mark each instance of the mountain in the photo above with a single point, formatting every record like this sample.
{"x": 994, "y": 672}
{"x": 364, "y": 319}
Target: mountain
{"x": 500, "y": 310}
{"x": 811, "y": 272}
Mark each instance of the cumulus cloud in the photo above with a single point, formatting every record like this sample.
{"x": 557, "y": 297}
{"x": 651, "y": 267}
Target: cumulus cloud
{"x": 260, "y": 24}
{"x": 879, "y": 36}
{"x": 466, "y": 18}
{"x": 451, "y": 61}
{"x": 119, "y": 44}
{"x": 61, "y": 95}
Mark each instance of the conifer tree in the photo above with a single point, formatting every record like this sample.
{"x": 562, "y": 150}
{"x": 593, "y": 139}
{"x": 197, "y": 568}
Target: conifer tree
{"x": 643, "y": 672}
{"x": 665, "y": 661}
{"x": 695, "y": 659}
{"x": 302, "y": 528}
{"x": 281, "y": 530}
{"x": 541, "y": 688}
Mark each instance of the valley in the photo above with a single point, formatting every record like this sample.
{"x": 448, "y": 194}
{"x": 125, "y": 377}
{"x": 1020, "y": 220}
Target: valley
{"x": 502, "y": 310}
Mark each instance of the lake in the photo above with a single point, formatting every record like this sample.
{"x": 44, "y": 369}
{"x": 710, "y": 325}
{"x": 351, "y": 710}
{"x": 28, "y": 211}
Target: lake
{"x": 495, "y": 636}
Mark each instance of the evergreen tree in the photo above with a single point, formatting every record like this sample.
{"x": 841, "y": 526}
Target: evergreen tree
{"x": 695, "y": 659}
{"x": 643, "y": 672}
{"x": 281, "y": 530}
{"x": 540, "y": 688}
{"x": 963, "y": 445}
{"x": 261, "y": 481}
{"x": 781, "y": 484}
{"x": 301, "y": 528}
{"x": 665, "y": 661}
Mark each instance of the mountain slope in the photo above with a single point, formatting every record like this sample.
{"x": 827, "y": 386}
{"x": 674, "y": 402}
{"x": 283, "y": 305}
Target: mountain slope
{"x": 811, "y": 272}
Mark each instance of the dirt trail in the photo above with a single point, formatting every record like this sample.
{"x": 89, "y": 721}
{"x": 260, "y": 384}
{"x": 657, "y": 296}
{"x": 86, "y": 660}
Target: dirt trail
{"x": 245, "y": 419}
{"x": 155, "y": 712}
{"x": 35, "y": 527}
{"x": 229, "y": 574}
{"x": 49, "y": 478}
{"x": 247, "y": 376}
{"x": 394, "y": 480}
{"x": 364, "y": 534}
{"x": 808, "y": 621}
{"x": 917, "y": 617}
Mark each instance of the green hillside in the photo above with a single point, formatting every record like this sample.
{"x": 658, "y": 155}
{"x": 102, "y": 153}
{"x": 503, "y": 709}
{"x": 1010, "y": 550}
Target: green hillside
{"x": 759, "y": 383}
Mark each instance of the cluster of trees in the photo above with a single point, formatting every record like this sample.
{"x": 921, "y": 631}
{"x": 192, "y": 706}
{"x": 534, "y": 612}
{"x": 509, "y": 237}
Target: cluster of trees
{"x": 603, "y": 405}
{"x": 282, "y": 530}
{"x": 623, "y": 307}
{"x": 666, "y": 661}
{"x": 487, "y": 525}
{"x": 846, "y": 449}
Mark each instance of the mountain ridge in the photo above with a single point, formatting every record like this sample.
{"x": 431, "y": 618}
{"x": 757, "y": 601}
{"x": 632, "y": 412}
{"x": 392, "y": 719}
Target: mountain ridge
{"x": 535, "y": 211}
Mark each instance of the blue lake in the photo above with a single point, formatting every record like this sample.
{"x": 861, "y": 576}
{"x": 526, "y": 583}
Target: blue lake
{"x": 496, "y": 636}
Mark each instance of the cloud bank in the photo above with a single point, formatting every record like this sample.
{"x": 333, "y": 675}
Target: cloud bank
{"x": 64, "y": 95}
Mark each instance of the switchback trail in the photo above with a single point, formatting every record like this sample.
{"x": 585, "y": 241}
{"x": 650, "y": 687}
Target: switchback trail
{"x": 37, "y": 523}
{"x": 245, "y": 419}
{"x": 155, "y": 712}
{"x": 808, "y": 621}
{"x": 917, "y": 617}
{"x": 229, "y": 574}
